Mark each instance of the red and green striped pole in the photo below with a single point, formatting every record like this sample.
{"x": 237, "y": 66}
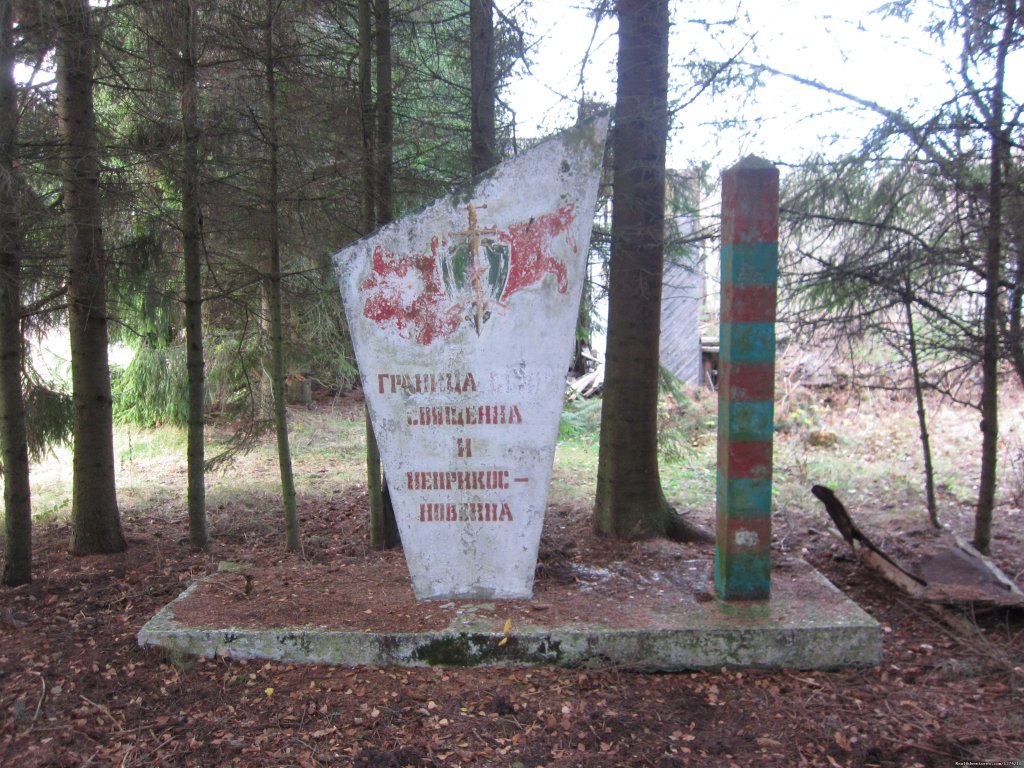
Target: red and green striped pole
{"x": 746, "y": 379}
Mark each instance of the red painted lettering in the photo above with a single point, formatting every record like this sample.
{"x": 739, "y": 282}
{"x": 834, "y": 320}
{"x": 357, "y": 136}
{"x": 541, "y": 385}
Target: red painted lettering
{"x": 468, "y": 512}
{"x": 464, "y": 416}
{"x": 421, "y": 383}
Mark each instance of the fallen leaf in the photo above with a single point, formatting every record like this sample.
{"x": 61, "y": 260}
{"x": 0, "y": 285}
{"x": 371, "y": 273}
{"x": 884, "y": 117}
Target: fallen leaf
{"x": 843, "y": 742}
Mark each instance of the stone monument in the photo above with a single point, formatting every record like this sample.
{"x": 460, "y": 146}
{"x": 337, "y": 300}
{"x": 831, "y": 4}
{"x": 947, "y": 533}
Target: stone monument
{"x": 462, "y": 317}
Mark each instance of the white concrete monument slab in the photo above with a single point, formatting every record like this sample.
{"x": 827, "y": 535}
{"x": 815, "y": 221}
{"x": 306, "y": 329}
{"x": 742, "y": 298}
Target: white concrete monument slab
{"x": 463, "y": 316}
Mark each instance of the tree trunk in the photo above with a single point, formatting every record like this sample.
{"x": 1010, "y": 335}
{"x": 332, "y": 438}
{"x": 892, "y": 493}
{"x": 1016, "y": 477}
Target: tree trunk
{"x": 482, "y": 85}
{"x": 922, "y": 420}
{"x": 14, "y": 467}
{"x": 1015, "y": 302}
{"x": 272, "y": 298}
{"x": 630, "y": 502}
{"x": 385, "y": 113}
{"x": 191, "y": 227}
{"x": 368, "y": 212}
{"x": 999, "y": 161}
{"x": 1015, "y": 293}
{"x": 95, "y": 521}
{"x": 379, "y": 168}
{"x": 383, "y": 524}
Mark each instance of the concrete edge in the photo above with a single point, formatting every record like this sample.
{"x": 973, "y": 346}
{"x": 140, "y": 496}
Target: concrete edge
{"x": 854, "y": 642}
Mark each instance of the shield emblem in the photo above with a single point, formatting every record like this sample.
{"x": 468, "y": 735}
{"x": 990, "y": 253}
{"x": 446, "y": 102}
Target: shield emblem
{"x": 475, "y": 277}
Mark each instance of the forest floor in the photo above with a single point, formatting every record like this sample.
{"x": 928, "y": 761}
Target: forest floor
{"x": 76, "y": 690}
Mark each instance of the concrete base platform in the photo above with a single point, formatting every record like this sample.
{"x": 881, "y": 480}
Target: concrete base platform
{"x": 808, "y": 624}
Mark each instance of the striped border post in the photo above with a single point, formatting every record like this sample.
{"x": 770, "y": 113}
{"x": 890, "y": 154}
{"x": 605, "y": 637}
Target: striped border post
{"x": 746, "y": 379}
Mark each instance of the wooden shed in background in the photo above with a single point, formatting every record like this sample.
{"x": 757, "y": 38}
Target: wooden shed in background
{"x": 684, "y": 285}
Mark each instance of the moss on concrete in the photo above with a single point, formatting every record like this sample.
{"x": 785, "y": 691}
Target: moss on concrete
{"x": 470, "y": 650}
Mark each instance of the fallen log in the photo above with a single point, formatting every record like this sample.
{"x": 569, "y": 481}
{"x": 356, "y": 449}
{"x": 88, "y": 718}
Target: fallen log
{"x": 957, "y": 575}
{"x": 864, "y": 548}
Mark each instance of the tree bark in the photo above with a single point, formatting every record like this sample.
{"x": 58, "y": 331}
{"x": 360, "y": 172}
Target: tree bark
{"x": 191, "y": 227}
{"x": 999, "y": 161}
{"x": 272, "y": 292}
{"x": 1015, "y": 302}
{"x": 95, "y": 520}
{"x": 14, "y": 467}
{"x": 380, "y": 168}
{"x": 630, "y": 502}
{"x": 483, "y": 95}
{"x": 383, "y": 524}
{"x": 385, "y": 113}
{"x": 1015, "y": 293}
{"x": 368, "y": 215}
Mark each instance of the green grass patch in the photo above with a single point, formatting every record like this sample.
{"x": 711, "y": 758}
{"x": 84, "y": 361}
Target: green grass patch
{"x": 872, "y": 460}
{"x": 574, "y": 475}
{"x": 133, "y": 443}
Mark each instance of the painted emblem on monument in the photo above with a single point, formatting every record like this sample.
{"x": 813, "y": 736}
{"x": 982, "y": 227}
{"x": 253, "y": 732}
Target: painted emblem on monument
{"x": 475, "y": 270}
{"x": 464, "y": 277}
{"x": 462, "y": 318}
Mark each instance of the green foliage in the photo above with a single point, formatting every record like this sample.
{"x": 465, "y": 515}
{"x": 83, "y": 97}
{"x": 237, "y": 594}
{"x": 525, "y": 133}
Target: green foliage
{"x": 233, "y": 374}
{"x": 685, "y": 421}
{"x": 862, "y": 237}
{"x": 432, "y": 96}
{"x": 432, "y": 131}
{"x": 138, "y": 113}
{"x": 48, "y": 415}
{"x": 153, "y": 389}
{"x": 581, "y": 420}
{"x": 669, "y": 384}
{"x": 146, "y": 275}
{"x": 317, "y": 342}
